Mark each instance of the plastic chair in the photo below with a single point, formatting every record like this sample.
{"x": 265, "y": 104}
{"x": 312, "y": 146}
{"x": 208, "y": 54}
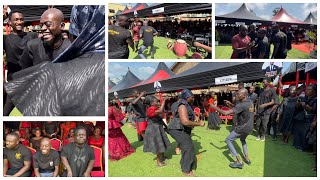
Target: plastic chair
{"x": 226, "y": 118}
{"x": 56, "y": 144}
{"x": 97, "y": 162}
{"x": 33, "y": 151}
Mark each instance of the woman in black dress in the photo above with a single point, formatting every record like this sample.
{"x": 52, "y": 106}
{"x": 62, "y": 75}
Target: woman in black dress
{"x": 156, "y": 140}
{"x": 302, "y": 124}
{"x": 180, "y": 129}
{"x": 286, "y": 113}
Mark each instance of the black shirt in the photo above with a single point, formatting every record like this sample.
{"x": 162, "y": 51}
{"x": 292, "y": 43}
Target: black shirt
{"x": 263, "y": 46}
{"x": 253, "y": 35}
{"x": 46, "y": 163}
{"x": 147, "y": 34}
{"x": 117, "y": 42}
{"x": 50, "y": 128}
{"x": 244, "y": 116}
{"x": 265, "y": 97}
{"x": 281, "y": 38}
{"x": 37, "y": 52}
{"x": 17, "y": 156}
{"x": 13, "y": 46}
{"x": 78, "y": 157}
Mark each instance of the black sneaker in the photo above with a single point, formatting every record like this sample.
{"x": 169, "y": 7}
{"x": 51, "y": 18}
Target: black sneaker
{"x": 236, "y": 165}
{"x": 247, "y": 161}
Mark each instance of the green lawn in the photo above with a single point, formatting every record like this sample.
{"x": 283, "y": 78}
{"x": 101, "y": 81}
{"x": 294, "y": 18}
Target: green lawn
{"x": 15, "y": 112}
{"x": 268, "y": 158}
{"x": 161, "y": 52}
{"x": 224, "y": 51}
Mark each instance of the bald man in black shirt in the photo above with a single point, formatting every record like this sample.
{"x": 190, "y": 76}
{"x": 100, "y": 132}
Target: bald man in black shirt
{"x": 51, "y": 44}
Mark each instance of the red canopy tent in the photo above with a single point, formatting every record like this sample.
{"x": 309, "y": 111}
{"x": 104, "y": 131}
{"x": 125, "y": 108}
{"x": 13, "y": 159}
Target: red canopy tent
{"x": 126, "y": 10}
{"x": 283, "y": 16}
{"x": 161, "y": 73}
{"x": 137, "y": 7}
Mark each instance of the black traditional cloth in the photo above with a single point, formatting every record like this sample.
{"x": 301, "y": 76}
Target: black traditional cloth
{"x": 156, "y": 140}
{"x": 74, "y": 87}
{"x": 287, "y": 110}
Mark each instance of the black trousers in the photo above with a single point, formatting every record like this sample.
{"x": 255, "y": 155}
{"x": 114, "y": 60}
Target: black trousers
{"x": 262, "y": 123}
{"x": 188, "y": 160}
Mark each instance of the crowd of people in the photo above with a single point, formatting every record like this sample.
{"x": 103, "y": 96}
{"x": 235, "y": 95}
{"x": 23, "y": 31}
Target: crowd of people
{"x": 124, "y": 33}
{"x": 250, "y": 42}
{"x": 40, "y": 149}
{"x": 292, "y": 115}
{"x": 28, "y": 57}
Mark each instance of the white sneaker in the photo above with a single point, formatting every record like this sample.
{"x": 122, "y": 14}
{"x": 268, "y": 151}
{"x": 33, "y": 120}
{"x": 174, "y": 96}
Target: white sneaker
{"x": 263, "y": 138}
{"x": 258, "y": 138}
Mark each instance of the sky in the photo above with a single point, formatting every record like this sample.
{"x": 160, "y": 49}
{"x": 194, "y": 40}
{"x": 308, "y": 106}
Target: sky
{"x": 142, "y": 70}
{"x": 264, "y": 10}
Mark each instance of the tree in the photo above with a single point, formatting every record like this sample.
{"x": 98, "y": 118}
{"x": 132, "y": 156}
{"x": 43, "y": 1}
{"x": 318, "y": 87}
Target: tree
{"x": 275, "y": 11}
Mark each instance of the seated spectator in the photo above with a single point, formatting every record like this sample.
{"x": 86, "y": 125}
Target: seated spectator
{"x": 35, "y": 141}
{"x": 50, "y": 129}
{"x": 96, "y": 139}
{"x": 22, "y": 139}
{"x": 46, "y": 161}
{"x": 65, "y": 128}
{"x": 19, "y": 157}
{"x": 78, "y": 157}
{"x": 70, "y": 138}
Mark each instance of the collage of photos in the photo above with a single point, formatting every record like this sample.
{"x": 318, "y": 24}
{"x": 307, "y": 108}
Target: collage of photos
{"x": 224, "y": 114}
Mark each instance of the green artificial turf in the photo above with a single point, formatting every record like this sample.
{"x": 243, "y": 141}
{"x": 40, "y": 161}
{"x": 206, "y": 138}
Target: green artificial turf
{"x": 224, "y": 51}
{"x": 268, "y": 158}
{"x": 161, "y": 52}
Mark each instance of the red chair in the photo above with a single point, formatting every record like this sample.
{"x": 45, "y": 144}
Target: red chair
{"x": 56, "y": 144}
{"x": 226, "y": 118}
{"x": 33, "y": 151}
{"x": 97, "y": 162}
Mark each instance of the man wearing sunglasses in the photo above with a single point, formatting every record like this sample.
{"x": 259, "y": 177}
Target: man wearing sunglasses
{"x": 51, "y": 42}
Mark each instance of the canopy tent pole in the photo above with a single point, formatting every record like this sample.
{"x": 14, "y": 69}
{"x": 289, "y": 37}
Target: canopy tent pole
{"x": 297, "y": 75}
{"x": 307, "y": 78}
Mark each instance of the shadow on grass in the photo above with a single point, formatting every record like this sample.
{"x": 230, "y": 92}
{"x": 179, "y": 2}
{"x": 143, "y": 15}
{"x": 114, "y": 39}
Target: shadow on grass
{"x": 137, "y": 144}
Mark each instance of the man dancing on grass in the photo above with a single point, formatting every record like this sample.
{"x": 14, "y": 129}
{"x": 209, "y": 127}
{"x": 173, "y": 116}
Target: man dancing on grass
{"x": 242, "y": 126}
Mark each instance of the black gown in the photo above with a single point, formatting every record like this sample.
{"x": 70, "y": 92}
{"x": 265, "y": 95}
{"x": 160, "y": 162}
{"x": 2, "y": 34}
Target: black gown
{"x": 75, "y": 88}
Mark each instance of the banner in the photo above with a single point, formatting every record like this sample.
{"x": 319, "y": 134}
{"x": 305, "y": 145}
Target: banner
{"x": 158, "y": 10}
{"x": 226, "y": 79}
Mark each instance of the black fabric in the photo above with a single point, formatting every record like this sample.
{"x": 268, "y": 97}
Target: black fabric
{"x": 17, "y": 156}
{"x": 214, "y": 120}
{"x": 287, "y": 110}
{"x": 253, "y": 97}
{"x": 176, "y": 122}
{"x": 263, "y": 46}
{"x": 139, "y": 110}
{"x": 262, "y": 121}
{"x": 50, "y": 128}
{"x": 13, "y": 171}
{"x": 46, "y": 163}
{"x": 13, "y": 46}
{"x": 76, "y": 87}
{"x": 156, "y": 140}
{"x": 117, "y": 42}
{"x": 244, "y": 117}
{"x": 37, "y": 52}
{"x": 147, "y": 34}
{"x": 281, "y": 39}
{"x": 265, "y": 97}
{"x": 78, "y": 157}
{"x": 188, "y": 160}
{"x": 253, "y": 35}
